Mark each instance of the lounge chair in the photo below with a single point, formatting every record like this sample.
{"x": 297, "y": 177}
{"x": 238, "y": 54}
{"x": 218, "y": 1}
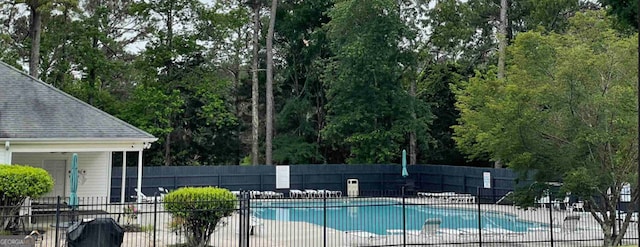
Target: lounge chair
{"x": 255, "y": 194}
{"x": 296, "y": 194}
{"x": 272, "y": 194}
{"x": 311, "y": 193}
{"x": 543, "y": 201}
{"x": 427, "y": 234}
{"x": 577, "y": 206}
{"x": 362, "y": 238}
{"x": 570, "y": 223}
{"x": 236, "y": 193}
{"x": 145, "y": 198}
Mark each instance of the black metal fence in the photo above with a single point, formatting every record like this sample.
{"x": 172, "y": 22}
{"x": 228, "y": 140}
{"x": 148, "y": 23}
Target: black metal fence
{"x": 373, "y": 179}
{"x": 323, "y": 218}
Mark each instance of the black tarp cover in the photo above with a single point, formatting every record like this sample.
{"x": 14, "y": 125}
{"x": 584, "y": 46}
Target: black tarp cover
{"x": 98, "y": 232}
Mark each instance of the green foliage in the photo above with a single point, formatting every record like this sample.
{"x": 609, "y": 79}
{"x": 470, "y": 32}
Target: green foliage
{"x": 301, "y": 97}
{"x": 434, "y": 87}
{"x": 366, "y": 109}
{"x": 200, "y": 211}
{"x": 18, "y": 182}
{"x": 625, "y": 11}
{"x": 567, "y": 111}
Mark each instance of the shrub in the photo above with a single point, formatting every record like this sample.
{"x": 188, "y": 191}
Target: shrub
{"x": 200, "y": 210}
{"x": 18, "y": 182}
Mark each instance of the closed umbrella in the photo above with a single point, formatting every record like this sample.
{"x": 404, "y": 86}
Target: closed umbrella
{"x": 405, "y": 173}
{"x": 73, "y": 182}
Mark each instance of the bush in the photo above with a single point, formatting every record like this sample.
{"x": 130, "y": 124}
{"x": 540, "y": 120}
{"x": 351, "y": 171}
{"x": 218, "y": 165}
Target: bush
{"x": 200, "y": 210}
{"x": 18, "y": 182}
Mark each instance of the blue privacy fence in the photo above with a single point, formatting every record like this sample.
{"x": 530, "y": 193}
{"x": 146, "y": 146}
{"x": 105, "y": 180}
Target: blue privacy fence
{"x": 373, "y": 179}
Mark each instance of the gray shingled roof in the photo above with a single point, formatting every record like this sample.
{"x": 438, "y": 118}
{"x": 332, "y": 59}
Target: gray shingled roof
{"x": 32, "y": 109}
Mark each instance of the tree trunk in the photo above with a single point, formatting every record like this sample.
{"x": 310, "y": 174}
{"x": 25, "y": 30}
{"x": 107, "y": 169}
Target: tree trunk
{"x": 255, "y": 93}
{"x": 412, "y": 136}
{"x": 502, "y": 46}
{"x": 270, "y": 108}
{"x": 502, "y": 38}
{"x": 167, "y": 150}
{"x": 35, "y": 29}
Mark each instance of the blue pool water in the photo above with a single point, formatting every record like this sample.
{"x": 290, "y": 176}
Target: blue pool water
{"x": 379, "y": 215}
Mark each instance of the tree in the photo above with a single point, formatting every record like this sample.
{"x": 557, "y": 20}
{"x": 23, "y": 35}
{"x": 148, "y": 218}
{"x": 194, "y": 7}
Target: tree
{"x": 37, "y": 10}
{"x": 270, "y": 108}
{"x": 200, "y": 210}
{"x": 366, "y": 113}
{"x": 255, "y": 85}
{"x": 302, "y": 49}
{"x": 566, "y": 112}
{"x": 625, "y": 11}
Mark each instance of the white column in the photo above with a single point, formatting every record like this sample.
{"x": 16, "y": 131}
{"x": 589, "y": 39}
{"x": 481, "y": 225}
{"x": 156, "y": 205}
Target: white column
{"x": 5, "y": 154}
{"x": 140, "y": 176}
{"x": 124, "y": 176}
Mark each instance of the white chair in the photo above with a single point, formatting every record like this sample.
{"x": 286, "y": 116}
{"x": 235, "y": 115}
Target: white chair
{"x": 311, "y": 193}
{"x": 578, "y": 206}
{"x": 296, "y": 194}
{"x": 254, "y": 225}
{"x": 570, "y": 223}
{"x": 324, "y": 193}
{"x": 272, "y": 194}
{"x": 429, "y": 229}
{"x": 543, "y": 201}
{"x": 363, "y": 238}
{"x": 236, "y": 193}
{"x": 254, "y": 194}
{"x": 336, "y": 193}
{"x": 145, "y": 198}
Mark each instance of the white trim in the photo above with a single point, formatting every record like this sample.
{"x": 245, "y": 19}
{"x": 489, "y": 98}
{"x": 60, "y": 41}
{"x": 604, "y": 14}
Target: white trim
{"x": 124, "y": 177}
{"x": 68, "y": 140}
{"x": 75, "y": 147}
{"x": 139, "y": 176}
{"x": 109, "y": 171}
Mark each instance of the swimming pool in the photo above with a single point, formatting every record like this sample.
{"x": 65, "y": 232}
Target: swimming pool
{"x": 377, "y": 216}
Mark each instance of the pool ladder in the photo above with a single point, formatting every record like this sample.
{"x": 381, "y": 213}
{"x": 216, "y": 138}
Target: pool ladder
{"x": 503, "y": 197}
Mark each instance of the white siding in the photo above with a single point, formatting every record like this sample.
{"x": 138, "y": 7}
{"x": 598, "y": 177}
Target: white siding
{"x": 96, "y": 167}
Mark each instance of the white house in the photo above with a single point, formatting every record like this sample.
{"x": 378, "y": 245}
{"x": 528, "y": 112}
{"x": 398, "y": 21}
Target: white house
{"x": 42, "y": 126}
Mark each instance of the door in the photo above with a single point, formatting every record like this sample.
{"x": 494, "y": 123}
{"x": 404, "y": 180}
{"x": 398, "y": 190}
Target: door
{"x": 58, "y": 171}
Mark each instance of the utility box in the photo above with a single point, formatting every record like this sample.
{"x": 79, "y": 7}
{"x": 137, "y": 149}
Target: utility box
{"x": 352, "y": 187}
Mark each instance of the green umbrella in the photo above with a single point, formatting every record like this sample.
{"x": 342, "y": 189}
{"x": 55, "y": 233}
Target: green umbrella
{"x": 73, "y": 182}
{"x": 404, "y": 164}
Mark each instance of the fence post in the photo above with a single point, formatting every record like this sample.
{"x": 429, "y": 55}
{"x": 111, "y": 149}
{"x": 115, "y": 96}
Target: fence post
{"x": 550, "y": 221}
{"x": 324, "y": 225}
{"x": 479, "y": 218}
{"x": 404, "y": 221}
{"x": 155, "y": 217}
{"x": 57, "y": 222}
{"x": 244, "y": 219}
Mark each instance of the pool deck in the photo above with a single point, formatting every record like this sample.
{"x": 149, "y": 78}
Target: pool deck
{"x": 274, "y": 233}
